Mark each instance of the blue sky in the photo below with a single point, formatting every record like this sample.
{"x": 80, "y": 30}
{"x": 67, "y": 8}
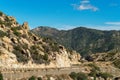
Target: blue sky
{"x": 65, "y": 14}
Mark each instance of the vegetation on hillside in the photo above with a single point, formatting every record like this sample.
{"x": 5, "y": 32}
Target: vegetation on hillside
{"x": 1, "y": 76}
{"x": 85, "y": 41}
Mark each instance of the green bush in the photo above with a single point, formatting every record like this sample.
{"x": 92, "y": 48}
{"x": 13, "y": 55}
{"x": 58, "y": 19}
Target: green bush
{"x": 94, "y": 66}
{"x": 82, "y": 76}
{"x": 21, "y": 55}
{"x": 1, "y": 22}
{"x": 54, "y": 47}
{"x": 94, "y": 71}
{"x": 39, "y": 78}
{"x": 117, "y": 63}
{"x": 1, "y": 76}
{"x": 7, "y": 24}
{"x": 46, "y": 48}
{"x": 32, "y": 78}
{"x": 78, "y": 76}
{"x": 17, "y": 33}
{"x": 15, "y": 30}
{"x": 2, "y": 34}
{"x": 45, "y": 57}
{"x": 73, "y": 75}
{"x": 105, "y": 75}
{"x": 1, "y": 13}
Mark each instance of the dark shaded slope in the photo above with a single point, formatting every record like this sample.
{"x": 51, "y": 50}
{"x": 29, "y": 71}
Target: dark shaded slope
{"x": 83, "y": 40}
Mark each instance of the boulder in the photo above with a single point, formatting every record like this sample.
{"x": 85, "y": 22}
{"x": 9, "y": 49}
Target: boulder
{"x": 25, "y": 26}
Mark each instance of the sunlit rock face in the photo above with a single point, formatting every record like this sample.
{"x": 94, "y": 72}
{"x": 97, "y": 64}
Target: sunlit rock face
{"x": 21, "y": 48}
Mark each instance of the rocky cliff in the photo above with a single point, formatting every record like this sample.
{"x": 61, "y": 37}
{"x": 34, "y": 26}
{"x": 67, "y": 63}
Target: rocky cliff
{"x": 21, "y": 48}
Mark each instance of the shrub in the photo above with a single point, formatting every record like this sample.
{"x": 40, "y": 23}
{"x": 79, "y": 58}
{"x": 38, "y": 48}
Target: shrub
{"x": 1, "y": 22}
{"x": 46, "y": 48}
{"x": 1, "y": 13}
{"x": 54, "y": 47}
{"x": 21, "y": 55}
{"x": 15, "y": 30}
{"x": 17, "y": 33}
{"x": 78, "y": 76}
{"x": 1, "y": 76}
{"x": 45, "y": 57}
{"x": 2, "y": 34}
{"x": 18, "y": 48}
{"x": 117, "y": 63}
{"x": 82, "y": 76}
{"x": 94, "y": 71}
{"x": 94, "y": 66}
{"x": 7, "y": 24}
{"x": 39, "y": 78}
{"x": 32, "y": 78}
{"x": 105, "y": 75}
{"x": 73, "y": 75}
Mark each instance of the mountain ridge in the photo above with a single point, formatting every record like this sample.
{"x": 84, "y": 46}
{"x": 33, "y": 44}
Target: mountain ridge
{"x": 72, "y": 39}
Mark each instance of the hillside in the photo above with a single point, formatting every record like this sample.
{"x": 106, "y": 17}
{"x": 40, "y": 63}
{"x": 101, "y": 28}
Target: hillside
{"x": 84, "y": 40}
{"x": 24, "y": 54}
{"x": 21, "y": 48}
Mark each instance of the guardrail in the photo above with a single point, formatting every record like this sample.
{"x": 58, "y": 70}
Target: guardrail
{"x": 19, "y": 73}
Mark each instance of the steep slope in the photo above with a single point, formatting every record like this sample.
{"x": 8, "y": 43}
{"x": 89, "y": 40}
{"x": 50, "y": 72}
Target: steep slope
{"x": 21, "y": 48}
{"x": 85, "y": 41}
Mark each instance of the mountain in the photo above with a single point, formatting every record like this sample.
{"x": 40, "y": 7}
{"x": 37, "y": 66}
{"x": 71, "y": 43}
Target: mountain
{"x": 21, "y": 48}
{"x": 22, "y": 51}
{"x": 84, "y": 40}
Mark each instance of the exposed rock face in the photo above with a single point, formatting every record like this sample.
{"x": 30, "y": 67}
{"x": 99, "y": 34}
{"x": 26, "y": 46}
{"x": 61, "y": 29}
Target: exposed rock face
{"x": 21, "y": 48}
{"x": 7, "y": 58}
{"x": 25, "y": 26}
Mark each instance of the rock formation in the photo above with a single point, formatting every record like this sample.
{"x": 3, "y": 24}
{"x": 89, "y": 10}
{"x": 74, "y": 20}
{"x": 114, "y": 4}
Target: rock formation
{"x": 21, "y": 48}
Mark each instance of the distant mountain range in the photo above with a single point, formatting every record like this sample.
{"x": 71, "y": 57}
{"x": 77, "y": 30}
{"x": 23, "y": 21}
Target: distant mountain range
{"x": 83, "y": 40}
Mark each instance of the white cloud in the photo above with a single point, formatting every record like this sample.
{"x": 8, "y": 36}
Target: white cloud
{"x": 85, "y": 5}
{"x": 108, "y": 27}
{"x": 103, "y": 27}
{"x": 112, "y": 23}
{"x": 84, "y": 2}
